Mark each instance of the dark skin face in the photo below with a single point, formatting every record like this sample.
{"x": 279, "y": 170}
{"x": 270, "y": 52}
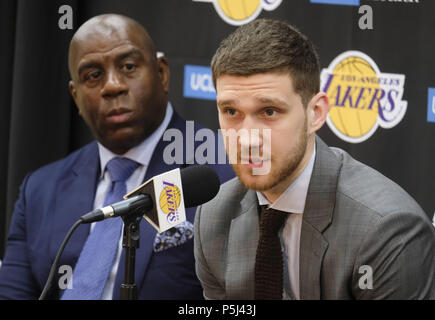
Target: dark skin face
{"x": 118, "y": 84}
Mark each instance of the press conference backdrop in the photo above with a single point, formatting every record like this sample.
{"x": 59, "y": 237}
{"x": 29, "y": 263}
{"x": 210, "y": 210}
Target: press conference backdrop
{"x": 378, "y": 69}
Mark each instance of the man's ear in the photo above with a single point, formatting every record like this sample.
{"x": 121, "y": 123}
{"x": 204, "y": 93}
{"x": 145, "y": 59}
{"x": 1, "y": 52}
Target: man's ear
{"x": 163, "y": 68}
{"x": 317, "y": 111}
{"x": 72, "y": 90}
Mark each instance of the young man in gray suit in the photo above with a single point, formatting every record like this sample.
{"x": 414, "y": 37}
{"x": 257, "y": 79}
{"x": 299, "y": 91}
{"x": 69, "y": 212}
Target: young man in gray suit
{"x": 316, "y": 224}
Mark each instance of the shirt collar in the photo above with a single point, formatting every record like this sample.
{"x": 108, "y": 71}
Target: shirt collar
{"x": 292, "y": 200}
{"x": 141, "y": 153}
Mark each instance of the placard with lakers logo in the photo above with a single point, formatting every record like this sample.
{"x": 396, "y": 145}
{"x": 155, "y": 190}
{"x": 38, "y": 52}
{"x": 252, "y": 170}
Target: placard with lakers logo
{"x": 361, "y": 97}
{"x": 169, "y": 196}
{"x": 167, "y": 193}
{"x": 238, "y": 12}
{"x": 169, "y": 201}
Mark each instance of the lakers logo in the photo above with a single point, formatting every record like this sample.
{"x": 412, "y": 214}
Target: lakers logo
{"x": 170, "y": 199}
{"x": 361, "y": 97}
{"x": 238, "y": 12}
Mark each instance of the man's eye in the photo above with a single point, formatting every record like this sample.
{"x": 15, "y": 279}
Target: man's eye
{"x": 270, "y": 112}
{"x": 230, "y": 111}
{"x": 128, "y": 67}
{"x": 93, "y": 75}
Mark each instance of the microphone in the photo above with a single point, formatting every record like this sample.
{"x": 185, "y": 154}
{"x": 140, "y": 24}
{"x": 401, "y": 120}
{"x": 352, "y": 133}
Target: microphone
{"x": 200, "y": 184}
{"x": 121, "y": 208}
{"x": 175, "y": 190}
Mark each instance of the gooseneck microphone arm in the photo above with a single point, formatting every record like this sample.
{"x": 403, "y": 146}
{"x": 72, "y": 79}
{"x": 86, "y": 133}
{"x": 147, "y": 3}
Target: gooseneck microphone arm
{"x": 121, "y": 208}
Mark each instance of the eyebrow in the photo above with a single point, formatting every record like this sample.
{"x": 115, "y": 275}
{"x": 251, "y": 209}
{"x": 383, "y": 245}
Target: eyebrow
{"x": 226, "y": 103}
{"x": 274, "y": 101}
{"x": 131, "y": 52}
{"x": 262, "y": 100}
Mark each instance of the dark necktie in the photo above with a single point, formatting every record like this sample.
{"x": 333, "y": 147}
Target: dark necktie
{"x": 97, "y": 257}
{"x": 269, "y": 261}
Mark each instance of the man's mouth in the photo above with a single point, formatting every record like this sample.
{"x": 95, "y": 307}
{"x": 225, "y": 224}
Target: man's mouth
{"x": 119, "y": 115}
{"x": 252, "y": 162}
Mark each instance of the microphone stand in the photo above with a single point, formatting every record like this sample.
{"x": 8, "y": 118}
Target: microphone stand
{"x": 130, "y": 241}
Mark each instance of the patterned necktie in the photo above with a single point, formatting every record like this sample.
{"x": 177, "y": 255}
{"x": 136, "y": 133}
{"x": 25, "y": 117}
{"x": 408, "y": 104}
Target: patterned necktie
{"x": 269, "y": 261}
{"x": 97, "y": 257}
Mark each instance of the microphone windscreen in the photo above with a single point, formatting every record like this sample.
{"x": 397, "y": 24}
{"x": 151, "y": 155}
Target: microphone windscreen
{"x": 200, "y": 185}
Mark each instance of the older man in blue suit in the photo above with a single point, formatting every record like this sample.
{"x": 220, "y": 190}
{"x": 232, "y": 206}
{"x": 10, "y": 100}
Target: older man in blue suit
{"x": 121, "y": 90}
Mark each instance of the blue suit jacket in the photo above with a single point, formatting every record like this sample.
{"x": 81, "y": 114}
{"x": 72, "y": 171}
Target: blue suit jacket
{"x": 55, "y": 196}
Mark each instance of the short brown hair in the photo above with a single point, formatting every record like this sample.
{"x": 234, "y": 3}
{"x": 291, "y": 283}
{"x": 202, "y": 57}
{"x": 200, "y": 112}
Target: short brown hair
{"x": 266, "y": 45}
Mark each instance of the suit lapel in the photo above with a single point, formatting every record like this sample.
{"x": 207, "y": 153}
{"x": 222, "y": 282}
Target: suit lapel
{"x": 76, "y": 193}
{"x": 317, "y": 217}
{"x": 242, "y": 247}
{"x": 313, "y": 248}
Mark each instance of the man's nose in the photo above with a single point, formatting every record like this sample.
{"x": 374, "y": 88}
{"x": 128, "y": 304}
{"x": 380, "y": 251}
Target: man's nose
{"x": 253, "y": 128}
{"x": 251, "y": 134}
{"x": 114, "y": 85}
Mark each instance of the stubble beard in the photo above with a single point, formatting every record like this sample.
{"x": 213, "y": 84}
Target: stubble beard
{"x": 278, "y": 172}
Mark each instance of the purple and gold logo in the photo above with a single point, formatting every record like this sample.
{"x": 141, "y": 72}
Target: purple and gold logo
{"x": 170, "y": 199}
{"x": 361, "y": 97}
{"x": 238, "y": 12}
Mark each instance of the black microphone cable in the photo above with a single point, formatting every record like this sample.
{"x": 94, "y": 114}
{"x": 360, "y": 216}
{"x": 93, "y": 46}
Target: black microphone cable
{"x": 56, "y": 260}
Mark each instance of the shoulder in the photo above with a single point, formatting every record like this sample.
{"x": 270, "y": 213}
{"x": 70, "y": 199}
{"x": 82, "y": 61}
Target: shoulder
{"x": 59, "y": 168}
{"x": 365, "y": 187}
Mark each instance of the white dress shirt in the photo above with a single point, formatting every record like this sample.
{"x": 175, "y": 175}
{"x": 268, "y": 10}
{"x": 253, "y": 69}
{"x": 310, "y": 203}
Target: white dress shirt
{"x": 141, "y": 154}
{"x": 292, "y": 200}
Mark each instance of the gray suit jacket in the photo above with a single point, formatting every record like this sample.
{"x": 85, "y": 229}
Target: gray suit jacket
{"x": 357, "y": 223}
